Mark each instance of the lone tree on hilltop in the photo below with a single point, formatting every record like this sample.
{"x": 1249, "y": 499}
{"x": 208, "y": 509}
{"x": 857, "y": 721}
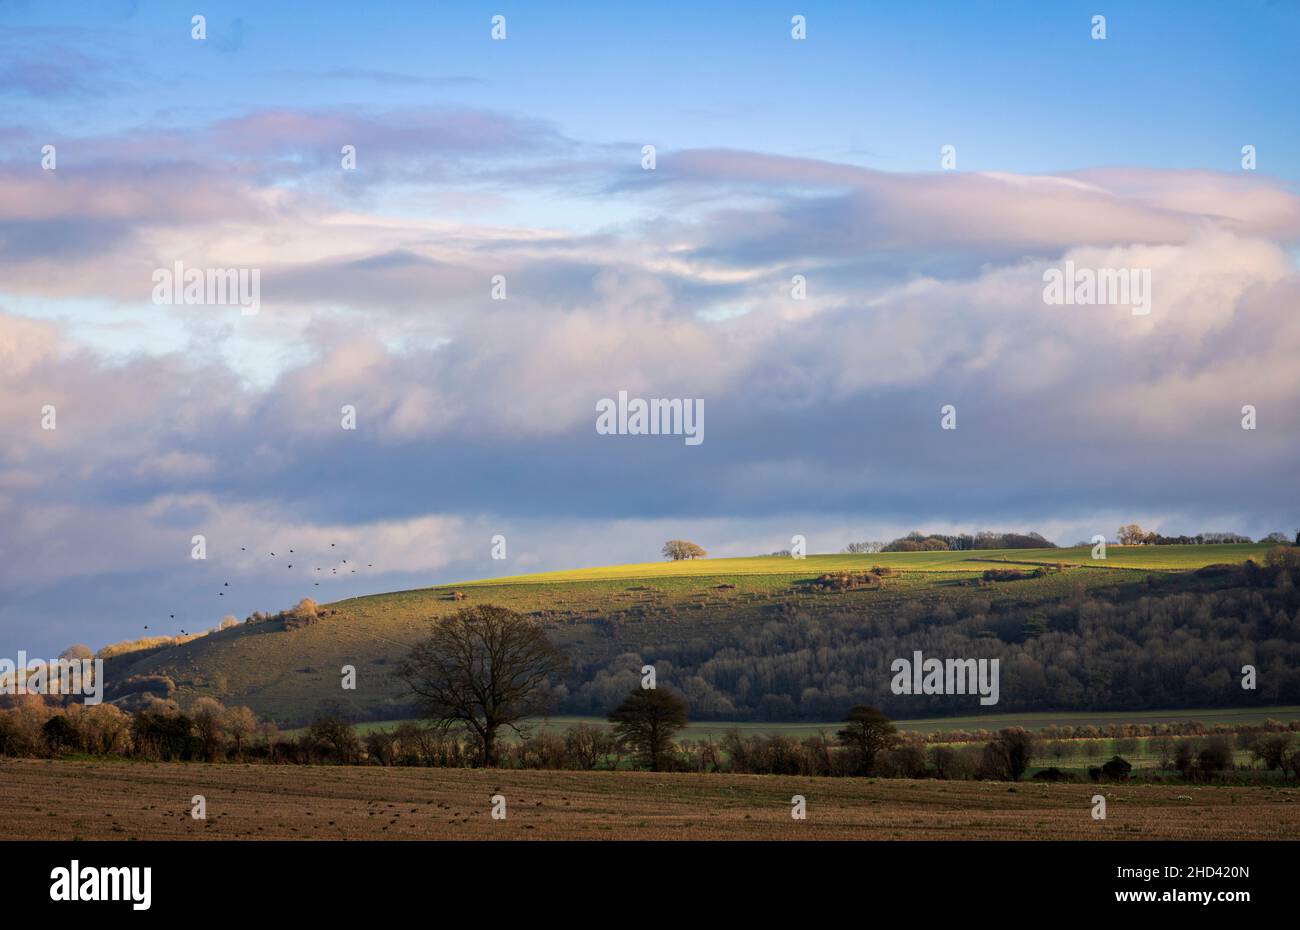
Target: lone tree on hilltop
{"x": 868, "y": 732}
{"x": 647, "y": 720}
{"x": 1132, "y": 534}
{"x": 679, "y": 549}
{"x": 483, "y": 668}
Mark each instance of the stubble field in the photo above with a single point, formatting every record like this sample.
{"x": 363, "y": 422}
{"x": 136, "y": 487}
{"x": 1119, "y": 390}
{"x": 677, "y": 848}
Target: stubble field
{"x": 124, "y": 800}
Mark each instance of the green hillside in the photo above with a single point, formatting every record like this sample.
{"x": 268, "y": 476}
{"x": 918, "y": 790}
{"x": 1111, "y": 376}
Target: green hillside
{"x": 706, "y": 624}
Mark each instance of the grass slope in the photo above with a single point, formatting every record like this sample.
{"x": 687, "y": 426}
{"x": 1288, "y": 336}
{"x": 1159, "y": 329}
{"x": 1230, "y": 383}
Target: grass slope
{"x": 287, "y": 675}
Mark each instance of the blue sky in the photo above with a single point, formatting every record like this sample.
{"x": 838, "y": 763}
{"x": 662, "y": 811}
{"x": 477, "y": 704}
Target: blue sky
{"x": 522, "y": 158}
{"x": 1016, "y": 86}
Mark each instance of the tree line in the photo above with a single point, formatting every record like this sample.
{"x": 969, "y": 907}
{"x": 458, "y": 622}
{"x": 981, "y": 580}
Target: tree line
{"x": 1130, "y": 534}
{"x": 645, "y": 735}
{"x": 486, "y": 670}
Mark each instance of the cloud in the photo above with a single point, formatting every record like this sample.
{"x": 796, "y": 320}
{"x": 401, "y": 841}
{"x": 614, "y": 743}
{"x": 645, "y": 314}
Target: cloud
{"x": 802, "y": 208}
{"x": 822, "y": 415}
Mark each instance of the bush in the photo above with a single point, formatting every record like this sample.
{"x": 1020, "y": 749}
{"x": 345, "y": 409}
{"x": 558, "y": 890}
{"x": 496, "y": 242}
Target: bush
{"x": 330, "y": 738}
{"x": 60, "y": 734}
{"x": 161, "y": 732}
{"x": 1011, "y": 574}
{"x": 543, "y": 751}
{"x": 586, "y": 746}
{"x": 1215, "y": 758}
{"x": 1117, "y": 769}
{"x": 906, "y": 760}
{"x": 305, "y": 613}
{"x": 846, "y": 581}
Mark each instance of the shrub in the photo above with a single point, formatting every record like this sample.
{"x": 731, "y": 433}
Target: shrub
{"x": 1215, "y": 758}
{"x": 1011, "y": 574}
{"x": 330, "y": 738}
{"x": 846, "y": 581}
{"x": 1117, "y": 769}
{"x": 303, "y": 614}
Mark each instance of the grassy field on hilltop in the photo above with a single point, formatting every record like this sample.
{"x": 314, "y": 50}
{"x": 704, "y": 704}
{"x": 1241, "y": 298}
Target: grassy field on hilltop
{"x": 1162, "y": 558}
{"x": 697, "y": 620}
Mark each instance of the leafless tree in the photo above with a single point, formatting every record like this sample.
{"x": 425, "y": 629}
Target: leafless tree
{"x": 483, "y": 668}
{"x": 241, "y": 723}
{"x": 209, "y": 719}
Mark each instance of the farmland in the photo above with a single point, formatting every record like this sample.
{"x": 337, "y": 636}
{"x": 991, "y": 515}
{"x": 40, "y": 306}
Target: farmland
{"x": 124, "y": 800}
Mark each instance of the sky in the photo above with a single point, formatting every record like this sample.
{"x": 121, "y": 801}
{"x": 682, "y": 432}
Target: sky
{"x": 524, "y": 158}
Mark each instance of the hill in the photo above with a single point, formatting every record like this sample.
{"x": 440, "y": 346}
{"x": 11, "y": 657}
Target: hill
{"x": 760, "y": 639}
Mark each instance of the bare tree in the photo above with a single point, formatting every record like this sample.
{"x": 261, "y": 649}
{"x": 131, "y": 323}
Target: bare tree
{"x": 240, "y": 723}
{"x": 585, "y": 745}
{"x": 209, "y": 719}
{"x": 679, "y": 549}
{"x": 483, "y": 668}
{"x": 381, "y": 746}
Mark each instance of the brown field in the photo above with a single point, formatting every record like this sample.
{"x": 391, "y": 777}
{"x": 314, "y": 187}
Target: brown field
{"x": 131, "y": 800}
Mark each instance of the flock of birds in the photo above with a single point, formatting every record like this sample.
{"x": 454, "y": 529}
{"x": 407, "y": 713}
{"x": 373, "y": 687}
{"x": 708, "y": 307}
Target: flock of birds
{"x": 288, "y": 565}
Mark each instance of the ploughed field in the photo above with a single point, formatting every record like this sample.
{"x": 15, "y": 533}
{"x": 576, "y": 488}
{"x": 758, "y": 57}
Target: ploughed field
{"x": 71, "y": 799}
